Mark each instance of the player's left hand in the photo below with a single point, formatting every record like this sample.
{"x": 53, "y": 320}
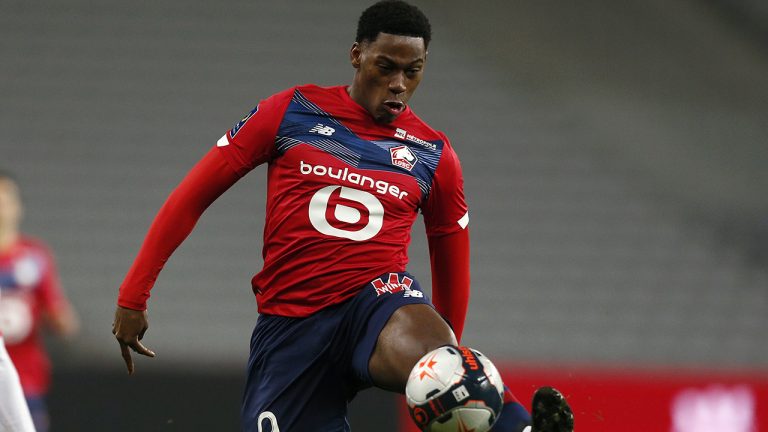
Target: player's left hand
{"x": 129, "y": 328}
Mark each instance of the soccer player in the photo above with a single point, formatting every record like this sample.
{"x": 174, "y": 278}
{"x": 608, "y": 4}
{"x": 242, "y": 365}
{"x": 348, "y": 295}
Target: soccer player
{"x": 349, "y": 168}
{"x": 32, "y": 300}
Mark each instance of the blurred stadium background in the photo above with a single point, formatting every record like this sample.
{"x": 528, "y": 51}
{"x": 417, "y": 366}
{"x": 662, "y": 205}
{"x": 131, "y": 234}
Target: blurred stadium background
{"x": 616, "y": 165}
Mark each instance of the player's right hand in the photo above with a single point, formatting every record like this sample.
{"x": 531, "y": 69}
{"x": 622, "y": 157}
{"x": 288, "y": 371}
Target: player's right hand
{"x": 129, "y": 327}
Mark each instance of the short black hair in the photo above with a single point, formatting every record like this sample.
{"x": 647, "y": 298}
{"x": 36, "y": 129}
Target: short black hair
{"x": 394, "y": 17}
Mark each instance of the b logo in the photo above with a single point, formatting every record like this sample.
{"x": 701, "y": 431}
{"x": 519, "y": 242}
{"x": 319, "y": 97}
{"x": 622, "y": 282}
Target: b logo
{"x": 319, "y": 205}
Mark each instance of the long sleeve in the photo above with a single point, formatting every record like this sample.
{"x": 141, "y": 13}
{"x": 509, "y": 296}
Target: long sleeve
{"x": 449, "y": 256}
{"x": 205, "y": 182}
{"x": 446, "y": 218}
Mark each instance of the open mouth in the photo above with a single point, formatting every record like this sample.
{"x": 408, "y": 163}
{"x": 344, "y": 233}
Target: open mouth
{"x": 394, "y": 107}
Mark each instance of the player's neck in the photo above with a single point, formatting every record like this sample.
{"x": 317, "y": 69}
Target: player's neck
{"x": 352, "y": 92}
{"x": 7, "y": 239}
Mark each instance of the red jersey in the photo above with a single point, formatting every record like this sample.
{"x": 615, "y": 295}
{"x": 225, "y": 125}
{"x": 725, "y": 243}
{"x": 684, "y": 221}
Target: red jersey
{"x": 30, "y": 286}
{"x": 343, "y": 193}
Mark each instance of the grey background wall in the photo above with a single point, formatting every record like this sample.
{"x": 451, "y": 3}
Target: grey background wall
{"x": 615, "y": 161}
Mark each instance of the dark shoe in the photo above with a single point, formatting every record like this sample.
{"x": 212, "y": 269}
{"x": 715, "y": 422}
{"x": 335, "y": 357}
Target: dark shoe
{"x": 551, "y": 412}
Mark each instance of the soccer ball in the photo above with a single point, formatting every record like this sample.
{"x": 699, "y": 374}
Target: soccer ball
{"x": 454, "y": 389}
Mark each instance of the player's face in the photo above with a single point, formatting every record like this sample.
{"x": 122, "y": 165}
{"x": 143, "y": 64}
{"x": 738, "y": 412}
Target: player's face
{"x": 10, "y": 205}
{"x": 388, "y": 71}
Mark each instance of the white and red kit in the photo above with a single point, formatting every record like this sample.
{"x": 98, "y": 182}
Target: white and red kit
{"x": 343, "y": 194}
{"x": 30, "y": 287}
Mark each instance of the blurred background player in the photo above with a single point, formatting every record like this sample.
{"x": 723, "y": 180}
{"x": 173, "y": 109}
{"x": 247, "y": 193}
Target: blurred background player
{"x": 350, "y": 168}
{"x": 32, "y": 300}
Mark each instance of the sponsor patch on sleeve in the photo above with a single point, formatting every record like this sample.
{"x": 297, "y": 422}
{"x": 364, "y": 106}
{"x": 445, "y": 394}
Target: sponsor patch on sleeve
{"x": 242, "y": 122}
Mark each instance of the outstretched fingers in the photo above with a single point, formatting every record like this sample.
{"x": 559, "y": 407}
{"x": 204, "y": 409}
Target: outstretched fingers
{"x": 136, "y": 346}
{"x": 141, "y": 349}
{"x": 126, "y": 357}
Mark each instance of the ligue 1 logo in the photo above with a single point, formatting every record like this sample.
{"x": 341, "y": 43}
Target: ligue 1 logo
{"x": 403, "y": 157}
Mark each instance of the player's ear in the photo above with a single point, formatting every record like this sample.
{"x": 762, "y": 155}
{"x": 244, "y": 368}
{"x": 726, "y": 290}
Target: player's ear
{"x": 355, "y": 53}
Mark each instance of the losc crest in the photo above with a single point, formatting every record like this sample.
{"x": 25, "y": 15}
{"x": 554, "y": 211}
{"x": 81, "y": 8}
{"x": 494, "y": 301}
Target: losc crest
{"x": 403, "y": 157}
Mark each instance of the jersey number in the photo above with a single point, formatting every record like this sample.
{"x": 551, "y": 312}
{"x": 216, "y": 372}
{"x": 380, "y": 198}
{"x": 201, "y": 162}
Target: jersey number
{"x": 318, "y": 207}
{"x": 272, "y": 421}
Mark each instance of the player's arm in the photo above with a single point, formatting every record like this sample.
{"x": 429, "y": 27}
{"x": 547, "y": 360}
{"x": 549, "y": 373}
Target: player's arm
{"x": 449, "y": 257}
{"x": 207, "y": 180}
{"x": 249, "y": 144}
{"x": 57, "y": 312}
{"x": 63, "y": 320}
{"x": 446, "y": 218}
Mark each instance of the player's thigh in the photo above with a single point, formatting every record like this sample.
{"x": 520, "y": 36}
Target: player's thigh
{"x": 293, "y": 384}
{"x": 307, "y": 404}
{"x": 412, "y": 331}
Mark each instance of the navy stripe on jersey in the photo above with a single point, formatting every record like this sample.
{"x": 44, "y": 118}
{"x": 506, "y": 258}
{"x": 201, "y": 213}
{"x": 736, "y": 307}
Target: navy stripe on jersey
{"x": 430, "y": 158}
{"x": 306, "y": 123}
{"x": 302, "y": 100}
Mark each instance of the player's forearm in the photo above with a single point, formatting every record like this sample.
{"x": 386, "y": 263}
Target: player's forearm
{"x": 63, "y": 320}
{"x": 450, "y": 277}
{"x": 171, "y": 226}
{"x": 173, "y": 223}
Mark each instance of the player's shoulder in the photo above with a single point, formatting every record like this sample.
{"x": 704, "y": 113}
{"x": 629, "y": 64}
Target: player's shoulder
{"x": 286, "y": 93}
{"x": 414, "y": 129}
{"x": 422, "y": 131}
{"x": 417, "y": 127}
{"x": 308, "y": 94}
{"x": 317, "y": 91}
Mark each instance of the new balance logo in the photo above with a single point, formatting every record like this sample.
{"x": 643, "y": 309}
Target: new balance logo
{"x": 323, "y": 129}
{"x": 394, "y": 285}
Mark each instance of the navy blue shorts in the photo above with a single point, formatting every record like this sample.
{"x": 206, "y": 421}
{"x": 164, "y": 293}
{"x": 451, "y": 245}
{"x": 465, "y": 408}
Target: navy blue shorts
{"x": 303, "y": 372}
